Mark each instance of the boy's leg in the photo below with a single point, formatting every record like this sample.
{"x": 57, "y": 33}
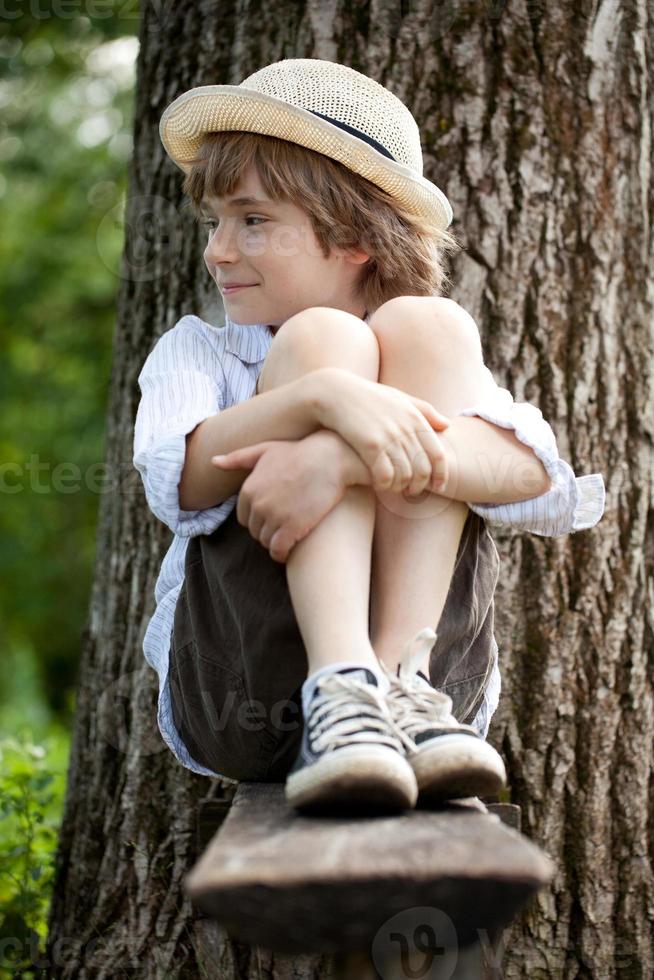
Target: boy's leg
{"x": 328, "y": 572}
{"x": 416, "y": 541}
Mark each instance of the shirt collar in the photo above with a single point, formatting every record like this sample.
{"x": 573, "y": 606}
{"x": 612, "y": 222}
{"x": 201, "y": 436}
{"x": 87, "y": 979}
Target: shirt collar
{"x": 249, "y": 343}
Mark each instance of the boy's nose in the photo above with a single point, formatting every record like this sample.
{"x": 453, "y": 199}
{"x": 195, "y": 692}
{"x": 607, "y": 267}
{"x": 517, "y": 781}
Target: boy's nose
{"x": 223, "y": 243}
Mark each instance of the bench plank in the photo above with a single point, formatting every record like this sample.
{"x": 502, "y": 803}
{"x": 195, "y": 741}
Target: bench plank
{"x": 293, "y": 883}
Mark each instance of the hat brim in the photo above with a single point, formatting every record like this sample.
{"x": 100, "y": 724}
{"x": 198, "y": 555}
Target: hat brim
{"x": 226, "y": 108}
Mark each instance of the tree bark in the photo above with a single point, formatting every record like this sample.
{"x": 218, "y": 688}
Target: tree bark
{"x": 536, "y": 120}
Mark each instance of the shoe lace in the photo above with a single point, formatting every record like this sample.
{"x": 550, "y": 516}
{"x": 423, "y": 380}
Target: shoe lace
{"x": 344, "y": 706}
{"x": 415, "y": 705}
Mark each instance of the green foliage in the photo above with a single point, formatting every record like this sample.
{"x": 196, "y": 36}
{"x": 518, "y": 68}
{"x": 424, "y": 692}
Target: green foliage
{"x": 66, "y": 110}
{"x": 32, "y": 786}
{"x": 66, "y": 117}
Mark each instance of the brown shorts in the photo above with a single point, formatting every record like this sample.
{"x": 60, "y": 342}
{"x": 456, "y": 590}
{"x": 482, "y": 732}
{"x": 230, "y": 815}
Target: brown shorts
{"x": 237, "y": 660}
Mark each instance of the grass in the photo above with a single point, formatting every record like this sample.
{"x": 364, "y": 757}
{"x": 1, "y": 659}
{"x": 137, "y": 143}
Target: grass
{"x": 33, "y": 767}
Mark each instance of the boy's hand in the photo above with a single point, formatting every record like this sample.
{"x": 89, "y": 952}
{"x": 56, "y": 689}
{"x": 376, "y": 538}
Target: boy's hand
{"x": 391, "y": 431}
{"x": 292, "y": 486}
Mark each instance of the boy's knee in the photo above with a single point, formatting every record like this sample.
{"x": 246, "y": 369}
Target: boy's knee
{"x": 323, "y": 324}
{"x": 318, "y": 337}
{"x": 429, "y": 325}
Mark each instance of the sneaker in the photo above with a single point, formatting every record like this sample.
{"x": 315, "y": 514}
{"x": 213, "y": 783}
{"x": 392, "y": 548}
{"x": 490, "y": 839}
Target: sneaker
{"x": 351, "y": 757}
{"x": 450, "y": 760}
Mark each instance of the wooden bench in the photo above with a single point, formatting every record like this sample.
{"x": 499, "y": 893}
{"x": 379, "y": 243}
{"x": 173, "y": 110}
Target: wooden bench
{"x": 424, "y": 893}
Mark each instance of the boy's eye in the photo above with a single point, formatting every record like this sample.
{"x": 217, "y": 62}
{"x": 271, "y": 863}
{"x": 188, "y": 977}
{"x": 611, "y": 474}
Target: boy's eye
{"x": 211, "y": 222}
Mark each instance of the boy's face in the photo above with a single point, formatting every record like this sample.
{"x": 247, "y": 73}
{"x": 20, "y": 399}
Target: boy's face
{"x": 272, "y": 248}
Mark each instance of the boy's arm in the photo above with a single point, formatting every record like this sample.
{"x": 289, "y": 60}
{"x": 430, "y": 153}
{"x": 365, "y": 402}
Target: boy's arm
{"x": 489, "y": 463}
{"x": 484, "y": 463}
{"x": 472, "y": 448}
{"x": 290, "y": 412}
{"x": 286, "y": 412}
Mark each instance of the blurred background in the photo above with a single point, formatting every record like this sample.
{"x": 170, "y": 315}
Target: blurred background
{"x": 67, "y": 76}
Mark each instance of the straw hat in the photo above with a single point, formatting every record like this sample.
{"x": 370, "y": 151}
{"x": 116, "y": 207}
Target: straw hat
{"x": 324, "y": 106}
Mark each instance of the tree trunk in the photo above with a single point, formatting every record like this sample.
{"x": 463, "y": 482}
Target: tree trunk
{"x": 536, "y": 120}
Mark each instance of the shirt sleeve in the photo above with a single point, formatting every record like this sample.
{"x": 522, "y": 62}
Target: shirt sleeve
{"x": 573, "y": 503}
{"x": 182, "y": 383}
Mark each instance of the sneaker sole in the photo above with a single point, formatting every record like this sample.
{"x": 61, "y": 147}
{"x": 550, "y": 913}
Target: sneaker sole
{"x": 458, "y": 766}
{"x": 354, "y": 779}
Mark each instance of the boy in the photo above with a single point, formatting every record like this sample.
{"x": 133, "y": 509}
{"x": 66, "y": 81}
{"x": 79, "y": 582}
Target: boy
{"x": 340, "y": 521}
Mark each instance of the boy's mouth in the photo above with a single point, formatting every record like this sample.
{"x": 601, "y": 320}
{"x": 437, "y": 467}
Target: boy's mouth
{"x": 226, "y": 290}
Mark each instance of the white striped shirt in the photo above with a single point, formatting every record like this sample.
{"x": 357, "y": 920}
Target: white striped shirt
{"x": 196, "y": 370}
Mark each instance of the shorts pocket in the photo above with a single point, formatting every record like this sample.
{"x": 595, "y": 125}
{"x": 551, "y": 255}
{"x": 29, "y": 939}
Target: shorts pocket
{"x": 216, "y": 720}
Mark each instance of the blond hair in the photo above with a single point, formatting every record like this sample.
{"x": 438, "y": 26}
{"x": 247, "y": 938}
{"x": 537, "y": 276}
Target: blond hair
{"x": 346, "y": 210}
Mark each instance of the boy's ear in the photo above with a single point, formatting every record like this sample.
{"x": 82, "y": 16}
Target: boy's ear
{"x": 357, "y": 256}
